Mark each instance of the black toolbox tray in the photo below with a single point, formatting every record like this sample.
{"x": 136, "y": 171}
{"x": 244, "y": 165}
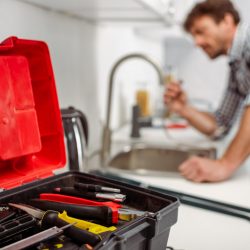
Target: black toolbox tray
{"x": 146, "y": 232}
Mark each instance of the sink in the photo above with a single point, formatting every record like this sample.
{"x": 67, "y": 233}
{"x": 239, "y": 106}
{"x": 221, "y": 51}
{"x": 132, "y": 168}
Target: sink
{"x": 146, "y": 159}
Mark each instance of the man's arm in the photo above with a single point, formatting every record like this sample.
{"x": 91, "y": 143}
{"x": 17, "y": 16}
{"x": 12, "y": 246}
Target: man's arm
{"x": 204, "y": 122}
{"x": 239, "y": 148}
{"x": 199, "y": 169}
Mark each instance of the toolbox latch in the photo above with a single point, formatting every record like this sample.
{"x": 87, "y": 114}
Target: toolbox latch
{"x": 146, "y": 228}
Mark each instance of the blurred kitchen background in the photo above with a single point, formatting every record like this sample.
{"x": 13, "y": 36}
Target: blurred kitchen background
{"x": 86, "y": 38}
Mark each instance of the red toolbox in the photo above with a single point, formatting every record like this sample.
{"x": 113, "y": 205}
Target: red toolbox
{"x": 32, "y": 146}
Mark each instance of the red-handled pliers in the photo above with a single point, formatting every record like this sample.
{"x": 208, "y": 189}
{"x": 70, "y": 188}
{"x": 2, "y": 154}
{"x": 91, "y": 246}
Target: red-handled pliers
{"x": 115, "y": 207}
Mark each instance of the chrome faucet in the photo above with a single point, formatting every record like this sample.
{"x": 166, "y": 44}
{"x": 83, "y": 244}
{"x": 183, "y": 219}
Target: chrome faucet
{"x": 106, "y": 140}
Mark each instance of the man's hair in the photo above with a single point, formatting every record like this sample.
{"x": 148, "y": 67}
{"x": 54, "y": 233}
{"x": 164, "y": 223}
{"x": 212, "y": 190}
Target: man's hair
{"x": 216, "y": 9}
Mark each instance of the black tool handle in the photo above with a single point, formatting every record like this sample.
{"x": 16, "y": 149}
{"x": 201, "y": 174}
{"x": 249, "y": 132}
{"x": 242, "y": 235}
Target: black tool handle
{"x": 79, "y": 236}
{"x": 74, "y": 192}
{"x": 102, "y": 214}
{"x": 88, "y": 187}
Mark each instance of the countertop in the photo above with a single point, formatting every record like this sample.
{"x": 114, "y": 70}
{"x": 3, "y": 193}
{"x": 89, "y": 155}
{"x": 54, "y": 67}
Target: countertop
{"x": 234, "y": 191}
{"x": 197, "y": 229}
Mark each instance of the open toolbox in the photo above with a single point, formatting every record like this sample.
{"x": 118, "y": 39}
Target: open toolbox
{"x": 32, "y": 147}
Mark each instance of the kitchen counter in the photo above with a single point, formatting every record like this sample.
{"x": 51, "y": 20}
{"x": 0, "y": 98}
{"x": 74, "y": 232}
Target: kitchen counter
{"x": 196, "y": 229}
{"x": 233, "y": 191}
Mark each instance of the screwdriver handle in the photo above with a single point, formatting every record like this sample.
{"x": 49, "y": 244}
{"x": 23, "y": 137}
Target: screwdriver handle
{"x": 92, "y": 195}
{"x": 77, "y": 200}
{"x": 102, "y": 214}
{"x": 95, "y": 188}
{"x": 86, "y": 225}
{"x": 51, "y": 218}
{"x": 87, "y": 187}
{"x": 74, "y": 192}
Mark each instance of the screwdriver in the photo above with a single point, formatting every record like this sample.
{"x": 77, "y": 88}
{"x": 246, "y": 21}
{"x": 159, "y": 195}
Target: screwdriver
{"x": 51, "y": 218}
{"x": 95, "y": 188}
{"x": 108, "y": 196}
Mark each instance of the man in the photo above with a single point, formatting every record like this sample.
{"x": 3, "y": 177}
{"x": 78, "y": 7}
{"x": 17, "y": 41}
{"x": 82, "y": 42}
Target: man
{"x": 215, "y": 27}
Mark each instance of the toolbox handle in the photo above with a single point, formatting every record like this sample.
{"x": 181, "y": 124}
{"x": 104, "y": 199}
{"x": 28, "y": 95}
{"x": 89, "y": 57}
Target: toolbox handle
{"x": 145, "y": 228}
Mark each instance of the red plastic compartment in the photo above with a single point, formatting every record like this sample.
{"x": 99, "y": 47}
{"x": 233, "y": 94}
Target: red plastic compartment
{"x": 31, "y": 133}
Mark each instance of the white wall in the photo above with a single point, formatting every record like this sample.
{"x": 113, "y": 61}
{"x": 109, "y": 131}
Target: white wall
{"x": 82, "y": 56}
{"x": 72, "y": 47}
{"x": 115, "y": 42}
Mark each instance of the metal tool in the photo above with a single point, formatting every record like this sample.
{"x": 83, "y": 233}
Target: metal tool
{"x": 100, "y": 213}
{"x": 108, "y": 196}
{"x": 37, "y": 238}
{"x": 52, "y": 218}
{"x": 95, "y": 188}
{"x": 118, "y": 212}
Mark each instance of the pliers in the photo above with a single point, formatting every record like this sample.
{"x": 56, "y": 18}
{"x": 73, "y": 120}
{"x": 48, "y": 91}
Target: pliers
{"x": 114, "y": 209}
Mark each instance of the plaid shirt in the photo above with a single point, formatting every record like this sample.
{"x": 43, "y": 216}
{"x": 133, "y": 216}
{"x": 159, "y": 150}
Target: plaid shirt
{"x": 238, "y": 90}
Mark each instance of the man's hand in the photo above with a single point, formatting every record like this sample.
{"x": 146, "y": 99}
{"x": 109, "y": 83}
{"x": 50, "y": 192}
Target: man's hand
{"x": 175, "y": 98}
{"x": 199, "y": 169}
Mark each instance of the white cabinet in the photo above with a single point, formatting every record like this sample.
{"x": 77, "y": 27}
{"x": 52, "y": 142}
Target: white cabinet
{"x": 163, "y": 11}
{"x": 107, "y": 10}
{"x": 151, "y": 18}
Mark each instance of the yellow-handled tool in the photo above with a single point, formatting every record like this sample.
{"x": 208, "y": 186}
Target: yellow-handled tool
{"x": 86, "y": 225}
{"x": 52, "y": 218}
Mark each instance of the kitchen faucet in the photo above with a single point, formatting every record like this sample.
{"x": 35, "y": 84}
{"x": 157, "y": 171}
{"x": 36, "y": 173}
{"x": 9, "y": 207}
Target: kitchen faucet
{"x": 106, "y": 140}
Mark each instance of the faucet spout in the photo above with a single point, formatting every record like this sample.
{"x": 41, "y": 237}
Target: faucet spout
{"x": 106, "y": 140}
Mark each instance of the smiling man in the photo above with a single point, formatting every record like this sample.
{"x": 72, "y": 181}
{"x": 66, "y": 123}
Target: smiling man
{"x": 216, "y": 28}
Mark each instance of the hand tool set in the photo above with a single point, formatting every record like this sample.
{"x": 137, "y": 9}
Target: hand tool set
{"x": 72, "y": 216}
{"x": 41, "y": 209}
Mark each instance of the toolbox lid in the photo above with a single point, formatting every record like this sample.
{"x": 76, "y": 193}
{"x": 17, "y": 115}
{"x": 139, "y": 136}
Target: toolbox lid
{"x": 31, "y": 132}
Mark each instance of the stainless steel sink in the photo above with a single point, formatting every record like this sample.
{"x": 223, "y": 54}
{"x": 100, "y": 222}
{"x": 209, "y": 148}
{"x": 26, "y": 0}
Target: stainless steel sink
{"x": 147, "y": 159}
